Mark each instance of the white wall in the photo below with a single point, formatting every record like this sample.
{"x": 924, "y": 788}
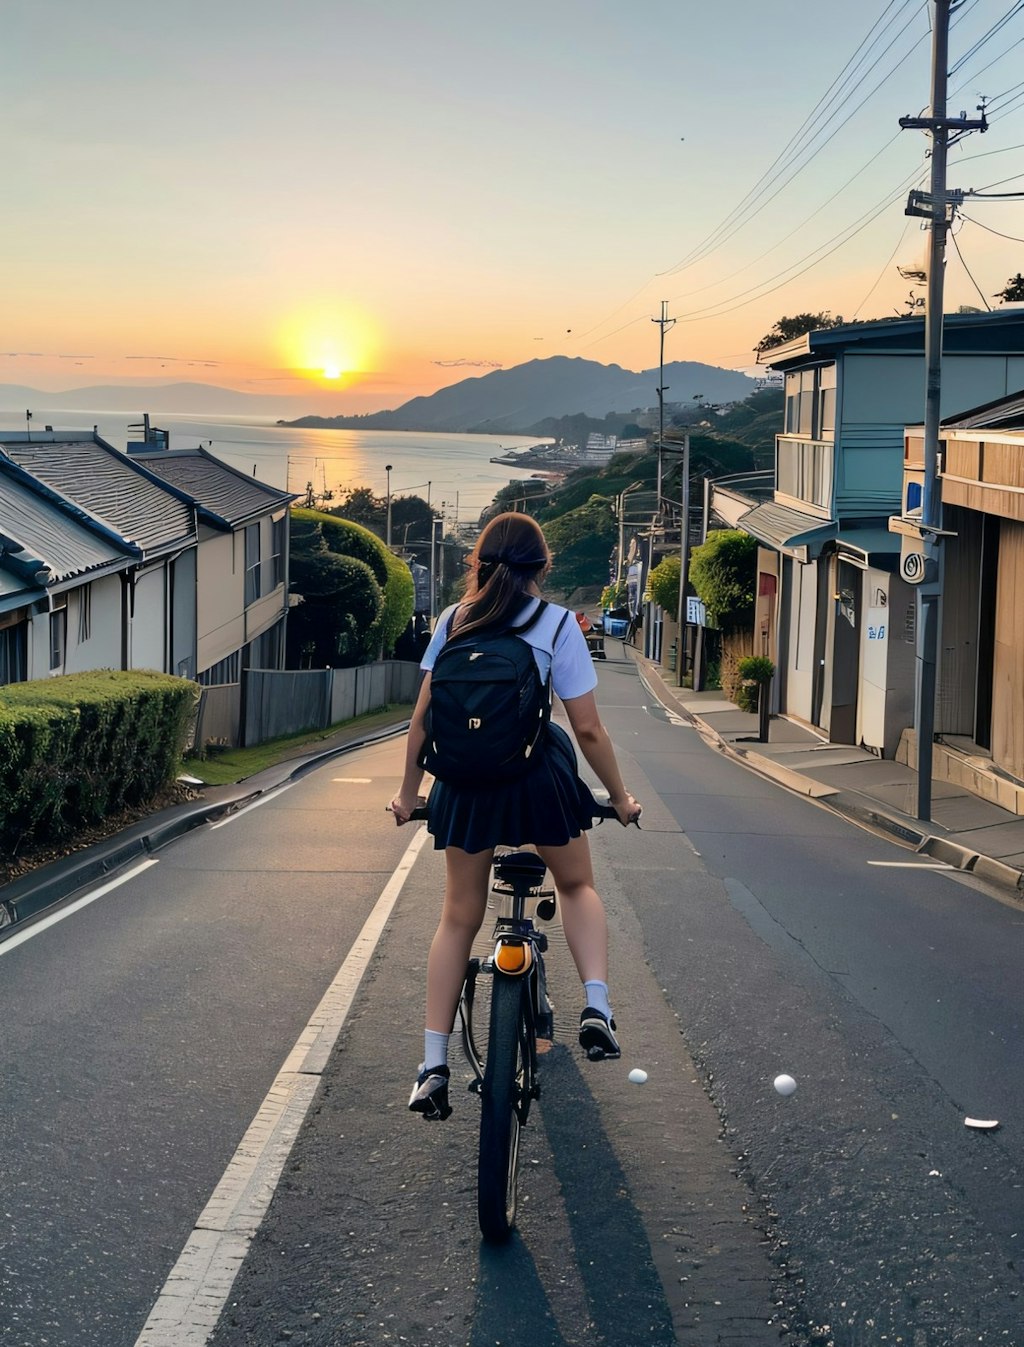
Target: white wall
{"x": 102, "y": 649}
{"x": 147, "y": 642}
{"x": 220, "y": 597}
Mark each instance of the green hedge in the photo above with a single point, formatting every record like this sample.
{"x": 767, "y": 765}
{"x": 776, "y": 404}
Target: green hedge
{"x": 345, "y": 538}
{"x": 76, "y": 749}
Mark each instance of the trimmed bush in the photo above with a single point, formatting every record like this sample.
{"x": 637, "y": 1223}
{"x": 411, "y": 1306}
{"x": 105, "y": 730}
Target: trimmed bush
{"x": 366, "y": 633}
{"x": 76, "y": 749}
{"x": 723, "y": 572}
{"x": 664, "y": 584}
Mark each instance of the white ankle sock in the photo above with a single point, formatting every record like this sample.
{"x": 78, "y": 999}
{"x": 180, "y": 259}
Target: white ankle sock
{"x": 435, "y": 1048}
{"x": 597, "y": 996}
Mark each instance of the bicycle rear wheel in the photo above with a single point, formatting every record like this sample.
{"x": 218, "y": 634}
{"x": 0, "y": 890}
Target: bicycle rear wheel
{"x": 501, "y": 1096}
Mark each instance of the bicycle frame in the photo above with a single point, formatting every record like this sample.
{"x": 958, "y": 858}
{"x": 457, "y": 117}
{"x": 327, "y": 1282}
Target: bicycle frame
{"x": 517, "y": 955}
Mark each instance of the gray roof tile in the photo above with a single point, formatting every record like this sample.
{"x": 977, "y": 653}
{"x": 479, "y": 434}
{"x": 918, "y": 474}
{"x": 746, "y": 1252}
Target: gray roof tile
{"x": 108, "y": 485}
{"x": 47, "y": 534}
{"x": 224, "y": 495}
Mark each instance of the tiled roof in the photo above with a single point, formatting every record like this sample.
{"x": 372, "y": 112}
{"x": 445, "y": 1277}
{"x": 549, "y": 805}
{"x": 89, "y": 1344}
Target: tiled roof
{"x": 106, "y": 484}
{"x": 47, "y": 535}
{"x": 225, "y": 496}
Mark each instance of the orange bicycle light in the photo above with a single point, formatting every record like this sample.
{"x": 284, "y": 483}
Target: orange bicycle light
{"x": 513, "y": 958}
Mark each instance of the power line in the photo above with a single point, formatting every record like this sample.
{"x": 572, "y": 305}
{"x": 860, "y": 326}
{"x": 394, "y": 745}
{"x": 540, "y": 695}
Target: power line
{"x": 1012, "y": 237}
{"x": 742, "y": 214}
{"x": 999, "y": 24}
{"x": 956, "y": 245}
{"x": 885, "y": 268}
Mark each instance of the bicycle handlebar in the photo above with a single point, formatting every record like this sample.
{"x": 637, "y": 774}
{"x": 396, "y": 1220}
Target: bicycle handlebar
{"x": 601, "y": 812}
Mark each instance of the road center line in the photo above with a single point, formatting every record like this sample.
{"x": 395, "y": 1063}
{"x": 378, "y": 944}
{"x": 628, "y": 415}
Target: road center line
{"x": 38, "y": 926}
{"x": 197, "y": 1289}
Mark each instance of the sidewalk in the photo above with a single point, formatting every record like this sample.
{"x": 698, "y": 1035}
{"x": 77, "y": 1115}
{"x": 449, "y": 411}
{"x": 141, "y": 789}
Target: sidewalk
{"x": 966, "y": 832}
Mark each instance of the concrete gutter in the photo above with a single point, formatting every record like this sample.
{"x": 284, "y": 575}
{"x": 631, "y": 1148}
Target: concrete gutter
{"x": 857, "y": 806}
{"x": 52, "y": 884}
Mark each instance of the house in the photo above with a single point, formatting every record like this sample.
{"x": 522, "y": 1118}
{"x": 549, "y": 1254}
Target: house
{"x": 157, "y": 559}
{"x": 62, "y": 579}
{"x": 832, "y": 610}
{"x": 979, "y": 710}
{"x": 241, "y": 581}
{"x": 121, "y": 606}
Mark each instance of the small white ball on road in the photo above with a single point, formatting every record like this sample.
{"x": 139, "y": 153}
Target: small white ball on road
{"x": 637, "y": 1075}
{"x": 785, "y": 1084}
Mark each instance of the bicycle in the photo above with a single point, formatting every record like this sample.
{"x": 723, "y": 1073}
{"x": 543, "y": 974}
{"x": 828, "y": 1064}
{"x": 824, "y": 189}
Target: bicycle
{"x": 506, "y": 1077}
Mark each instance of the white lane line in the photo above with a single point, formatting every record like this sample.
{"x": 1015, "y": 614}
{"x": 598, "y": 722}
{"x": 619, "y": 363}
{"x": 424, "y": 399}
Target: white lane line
{"x": 256, "y": 804}
{"x": 913, "y": 865}
{"x": 354, "y": 780}
{"x": 195, "y": 1293}
{"x": 46, "y": 922}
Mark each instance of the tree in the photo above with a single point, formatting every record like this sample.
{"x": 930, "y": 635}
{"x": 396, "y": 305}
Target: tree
{"x": 1014, "y": 290}
{"x": 788, "y": 329}
{"x": 361, "y": 619}
{"x": 664, "y": 584}
{"x": 723, "y": 573}
{"x": 341, "y": 602}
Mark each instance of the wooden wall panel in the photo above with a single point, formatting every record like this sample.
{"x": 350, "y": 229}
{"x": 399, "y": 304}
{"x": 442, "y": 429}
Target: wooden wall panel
{"x": 1008, "y": 670}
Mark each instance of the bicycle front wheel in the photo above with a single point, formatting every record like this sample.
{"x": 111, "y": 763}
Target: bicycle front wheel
{"x": 501, "y": 1095}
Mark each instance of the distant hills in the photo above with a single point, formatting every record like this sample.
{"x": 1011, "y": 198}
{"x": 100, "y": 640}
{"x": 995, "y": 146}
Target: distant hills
{"x": 179, "y": 397}
{"x": 520, "y": 399}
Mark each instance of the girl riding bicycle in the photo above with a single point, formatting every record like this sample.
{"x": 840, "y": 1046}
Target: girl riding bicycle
{"x": 548, "y": 807}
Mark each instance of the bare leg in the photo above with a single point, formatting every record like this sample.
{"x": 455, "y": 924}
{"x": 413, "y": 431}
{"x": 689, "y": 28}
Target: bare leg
{"x": 465, "y": 902}
{"x": 583, "y": 916}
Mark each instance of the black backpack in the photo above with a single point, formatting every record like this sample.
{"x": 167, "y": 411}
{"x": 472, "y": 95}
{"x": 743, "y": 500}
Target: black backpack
{"x": 489, "y": 707}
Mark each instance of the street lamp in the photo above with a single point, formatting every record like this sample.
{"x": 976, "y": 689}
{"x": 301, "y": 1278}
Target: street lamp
{"x": 387, "y": 469}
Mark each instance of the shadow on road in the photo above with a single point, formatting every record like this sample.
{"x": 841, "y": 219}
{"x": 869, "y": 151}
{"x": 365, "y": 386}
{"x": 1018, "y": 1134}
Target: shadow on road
{"x": 609, "y": 1247}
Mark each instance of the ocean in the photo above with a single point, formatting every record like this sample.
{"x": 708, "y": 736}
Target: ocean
{"x": 454, "y": 468}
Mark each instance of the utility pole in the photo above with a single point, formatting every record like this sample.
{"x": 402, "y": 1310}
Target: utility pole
{"x": 684, "y": 565}
{"x": 664, "y": 322}
{"x": 933, "y": 206}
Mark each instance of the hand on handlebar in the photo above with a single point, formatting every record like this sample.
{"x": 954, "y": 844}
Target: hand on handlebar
{"x": 628, "y": 810}
{"x": 403, "y": 806}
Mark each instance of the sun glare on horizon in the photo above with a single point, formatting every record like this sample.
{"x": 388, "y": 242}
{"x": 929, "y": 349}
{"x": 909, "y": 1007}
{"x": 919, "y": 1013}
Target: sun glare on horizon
{"x": 327, "y": 343}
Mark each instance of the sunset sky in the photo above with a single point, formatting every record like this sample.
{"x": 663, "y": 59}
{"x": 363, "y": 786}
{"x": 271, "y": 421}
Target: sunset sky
{"x": 252, "y": 194}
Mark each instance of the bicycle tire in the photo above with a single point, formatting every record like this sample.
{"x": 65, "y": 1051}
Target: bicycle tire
{"x": 500, "y": 1095}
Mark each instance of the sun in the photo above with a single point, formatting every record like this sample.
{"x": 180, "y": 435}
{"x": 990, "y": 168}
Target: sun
{"x": 327, "y": 342}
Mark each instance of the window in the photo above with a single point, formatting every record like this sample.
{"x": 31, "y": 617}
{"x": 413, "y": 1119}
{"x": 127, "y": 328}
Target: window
{"x": 811, "y": 402}
{"x": 252, "y": 563}
{"x": 277, "y": 552}
{"x": 13, "y": 660}
{"x": 58, "y": 638}
{"x": 84, "y": 613}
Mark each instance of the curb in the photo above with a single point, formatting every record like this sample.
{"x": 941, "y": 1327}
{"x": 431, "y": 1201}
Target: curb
{"x": 851, "y": 806}
{"x": 52, "y": 884}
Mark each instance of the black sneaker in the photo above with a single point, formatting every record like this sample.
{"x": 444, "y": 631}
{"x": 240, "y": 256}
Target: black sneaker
{"x": 596, "y": 1037}
{"x": 430, "y": 1094}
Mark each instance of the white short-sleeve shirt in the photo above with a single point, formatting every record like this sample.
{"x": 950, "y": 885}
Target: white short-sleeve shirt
{"x": 572, "y": 669}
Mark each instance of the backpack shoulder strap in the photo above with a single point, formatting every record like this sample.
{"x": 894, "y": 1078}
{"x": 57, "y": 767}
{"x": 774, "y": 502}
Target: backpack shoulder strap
{"x": 558, "y": 630}
{"x": 534, "y": 617}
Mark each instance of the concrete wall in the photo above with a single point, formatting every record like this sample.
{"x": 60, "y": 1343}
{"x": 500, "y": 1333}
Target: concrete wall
{"x": 147, "y": 642}
{"x": 102, "y": 649}
{"x": 220, "y": 594}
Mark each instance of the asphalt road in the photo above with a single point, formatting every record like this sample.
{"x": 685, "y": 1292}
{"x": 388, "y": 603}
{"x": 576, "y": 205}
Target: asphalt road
{"x": 750, "y": 935}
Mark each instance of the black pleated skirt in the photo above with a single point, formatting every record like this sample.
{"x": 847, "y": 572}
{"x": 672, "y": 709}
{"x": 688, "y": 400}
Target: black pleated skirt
{"x": 548, "y": 806}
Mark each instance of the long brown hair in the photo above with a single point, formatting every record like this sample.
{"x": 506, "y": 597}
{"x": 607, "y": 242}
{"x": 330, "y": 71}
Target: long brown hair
{"x": 510, "y": 555}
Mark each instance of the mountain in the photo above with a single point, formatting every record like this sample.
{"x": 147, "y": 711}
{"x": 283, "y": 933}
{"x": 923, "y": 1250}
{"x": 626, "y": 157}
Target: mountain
{"x": 193, "y": 398}
{"x": 514, "y": 401}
